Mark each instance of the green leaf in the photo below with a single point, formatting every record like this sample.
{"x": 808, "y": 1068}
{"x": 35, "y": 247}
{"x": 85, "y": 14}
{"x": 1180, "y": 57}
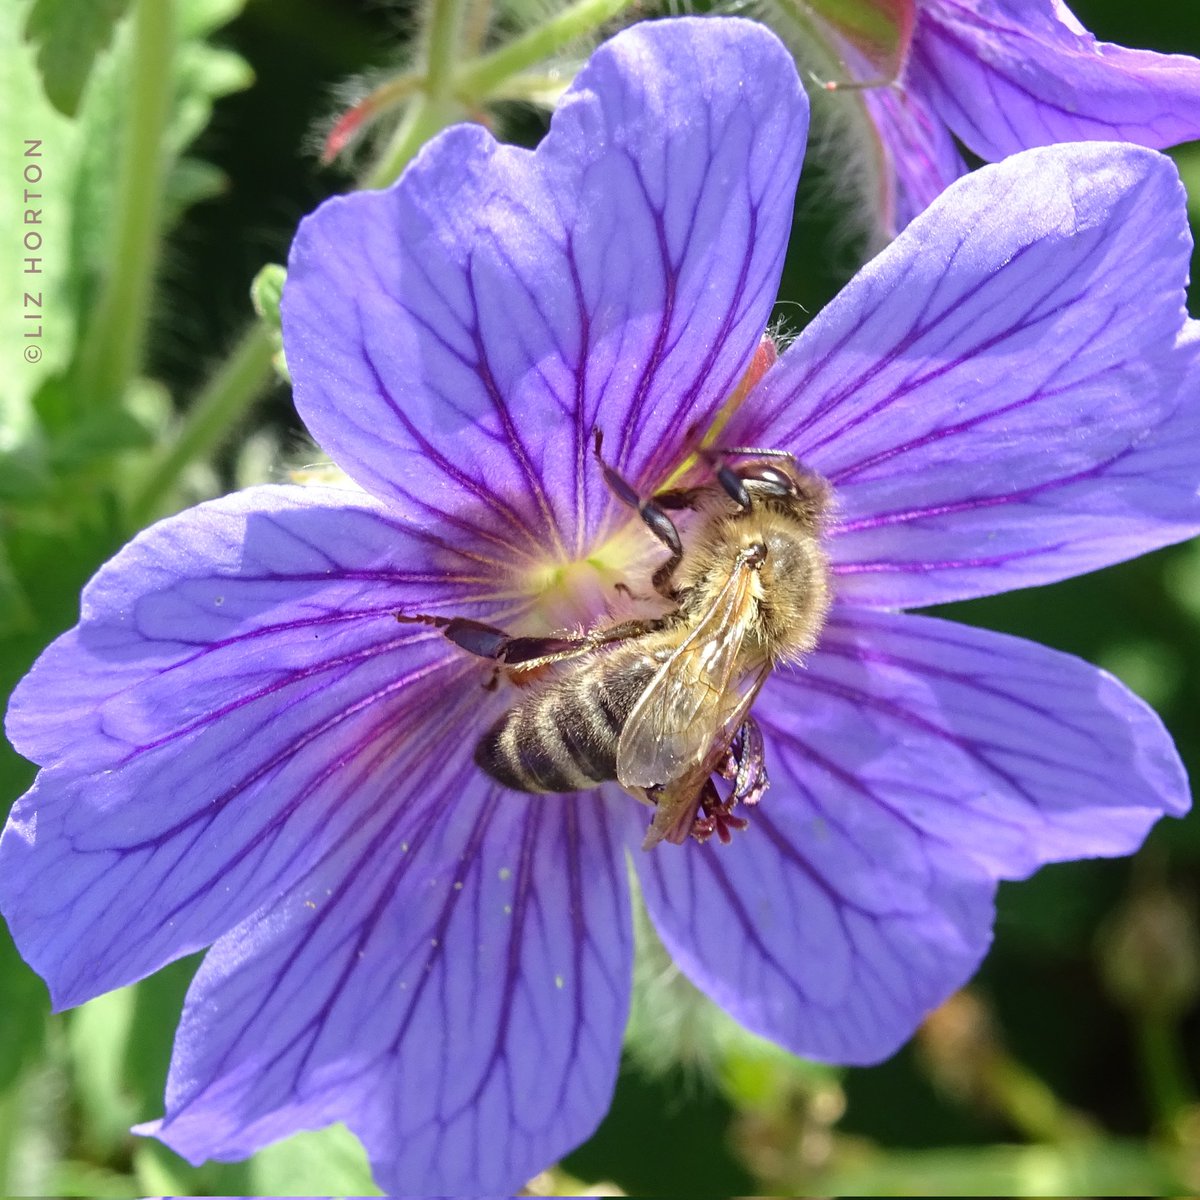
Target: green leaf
{"x": 24, "y": 1004}
{"x": 16, "y": 613}
{"x": 329, "y": 1162}
{"x": 73, "y": 1178}
{"x": 39, "y": 151}
{"x": 191, "y": 182}
{"x": 1100, "y": 1168}
{"x": 70, "y": 204}
{"x": 204, "y": 74}
{"x": 69, "y": 35}
{"x": 23, "y": 476}
{"x": 1187, "y": 159}
{"x": 199, "y": 18}
{"x": 97, "y": 1036}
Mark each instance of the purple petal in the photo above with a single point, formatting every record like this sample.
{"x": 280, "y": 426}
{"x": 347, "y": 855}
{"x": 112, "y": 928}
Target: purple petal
{"x": 1004, "y": 751}
{"x": 920, "y": 159}
{"x": 453, "y": 985}
{"x": 988, "y": 396}
{"x": 455, "y": 339}
{"x": 829, "y": 926}
{"x": 1009, "y": 74}
{"x": 913, "y": 763}
{"x": 237, "y": 693}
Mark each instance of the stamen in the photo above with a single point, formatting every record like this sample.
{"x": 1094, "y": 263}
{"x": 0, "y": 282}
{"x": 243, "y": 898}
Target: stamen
{"x": 762, "y": 361}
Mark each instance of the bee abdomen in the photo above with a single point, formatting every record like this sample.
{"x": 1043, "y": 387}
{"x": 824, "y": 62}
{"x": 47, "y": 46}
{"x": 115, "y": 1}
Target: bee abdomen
{"x": 563, "y": 739}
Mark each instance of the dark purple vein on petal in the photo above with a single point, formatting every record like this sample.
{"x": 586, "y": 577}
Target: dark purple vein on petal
{"x": 516, "y": 444}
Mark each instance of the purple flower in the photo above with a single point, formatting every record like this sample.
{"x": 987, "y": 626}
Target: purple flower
{"x": 242, "y": 747}
{"x": 1002, "y": 76}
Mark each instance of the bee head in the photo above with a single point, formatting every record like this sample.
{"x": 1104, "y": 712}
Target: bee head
{"x": 780, "y": 483}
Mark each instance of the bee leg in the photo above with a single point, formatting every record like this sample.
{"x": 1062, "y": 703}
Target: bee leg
{"x": 719, "y": 452}
{"x": 651, "y": 511}
{"x": 486, "y": 641}
{"x": 525, "y": 650}
{"x": 475, "y": 637}
{"x": 750, "y": 778}
{"x": 728, "y": 478}
{"x": 718, "y": 816}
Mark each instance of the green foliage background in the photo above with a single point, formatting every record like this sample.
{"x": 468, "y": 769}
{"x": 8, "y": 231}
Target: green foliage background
{"x": 1070, "y": 1066}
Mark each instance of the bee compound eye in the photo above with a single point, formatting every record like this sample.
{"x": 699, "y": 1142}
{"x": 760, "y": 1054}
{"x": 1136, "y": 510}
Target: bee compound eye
{"x": 769, "y": 478}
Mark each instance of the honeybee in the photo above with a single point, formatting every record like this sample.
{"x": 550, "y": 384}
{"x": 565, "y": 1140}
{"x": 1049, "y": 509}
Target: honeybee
{"x": 662, "y": 704}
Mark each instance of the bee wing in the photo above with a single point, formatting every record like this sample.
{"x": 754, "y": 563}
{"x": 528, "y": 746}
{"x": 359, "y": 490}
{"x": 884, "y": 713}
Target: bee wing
{"x": 677, "y": 803}
{"x": 690, "y": 698}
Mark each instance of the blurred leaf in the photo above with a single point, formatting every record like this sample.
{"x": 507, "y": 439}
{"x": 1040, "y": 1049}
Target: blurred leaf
{"x": 71, "y": 181}
{"x": 1102, "y": 1168}
{"x": 22, "y": 475}
{"x": 24, "y": 1006}
{"x": 38, "y": 153}
{"x": 1187, "y": 159}
{"x": 97, "y": 1036}
{"x": 204, "y": 74}
{"x": 72, "y": 1178}
{"x": 199, "y": 18}
{"x": 1149, "y": 667}
{"x": 16, "y": 613}
{"x": 161, "y": 1172}
{"x": 158, "y": 1002}
{"x": 68, "y": 36}
{"x": 97, "y": 435}
{"x": 330, "y": 1162}
{"x": 191, "y": 182}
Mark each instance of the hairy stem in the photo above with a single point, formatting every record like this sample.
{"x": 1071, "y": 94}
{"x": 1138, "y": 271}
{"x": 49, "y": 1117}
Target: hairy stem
{"x": 115, "y": 339}
{"x": 477, "y": 80}
{"x": 435, "y": 107}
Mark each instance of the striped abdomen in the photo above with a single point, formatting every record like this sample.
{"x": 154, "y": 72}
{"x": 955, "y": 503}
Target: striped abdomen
{"x": 564, "y": 738}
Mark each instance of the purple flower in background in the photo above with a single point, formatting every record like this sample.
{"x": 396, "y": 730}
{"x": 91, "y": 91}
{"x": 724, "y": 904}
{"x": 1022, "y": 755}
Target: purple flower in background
{"x": 242, "y": 747}
{"x": 1001, "y": 76}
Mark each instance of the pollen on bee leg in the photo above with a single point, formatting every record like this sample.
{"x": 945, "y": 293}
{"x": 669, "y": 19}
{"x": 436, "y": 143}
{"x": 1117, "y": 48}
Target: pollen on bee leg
{"x": 744, "y": 764}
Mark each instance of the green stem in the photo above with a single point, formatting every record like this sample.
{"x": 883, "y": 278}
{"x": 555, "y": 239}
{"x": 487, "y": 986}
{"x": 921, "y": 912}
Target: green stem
{"x": 1167, "y": 1083}
{"x": 424, "y": 118}
{"x": 442, "y": 36}
{"x": 115, "y": 339}
{"x": 1032, "y": 1106}
{"x": 436, "y": 107}
{"x": 476, "y": 81}
{"x": 542, "y": 88}
{"x": 218, "y": 408}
